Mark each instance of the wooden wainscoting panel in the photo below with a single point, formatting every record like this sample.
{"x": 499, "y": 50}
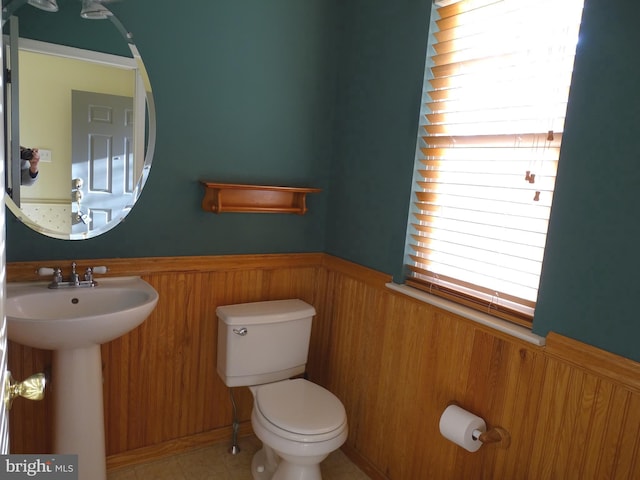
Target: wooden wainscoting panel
{"x": 30, "y": 422}
{"x": 521, "y": 409}
{"x": 594, "y": 360}
{"x": 160, "y": 380}
{"x": 551, "y": 421}
{"x": 614, "y": 421}
{"x": 600, "y": 418}
{"x": 627, "y": 452}
{"x": 174, "y": 389}
{"x": 320, "y": 330}
{"x": 573, "y": 411}
{"x": 397, "y": 363}
{"x": 588, "y": 434}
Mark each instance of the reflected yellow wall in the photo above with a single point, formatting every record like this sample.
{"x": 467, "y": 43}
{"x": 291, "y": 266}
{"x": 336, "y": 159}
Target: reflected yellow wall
{"x": 46, "y": 82}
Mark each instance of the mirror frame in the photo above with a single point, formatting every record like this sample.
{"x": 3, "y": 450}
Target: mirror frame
{"x": 148, "y": 126}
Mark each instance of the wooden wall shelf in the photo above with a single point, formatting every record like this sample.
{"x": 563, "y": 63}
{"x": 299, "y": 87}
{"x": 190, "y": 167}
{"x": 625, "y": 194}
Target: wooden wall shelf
{"x": 232, "y": 197}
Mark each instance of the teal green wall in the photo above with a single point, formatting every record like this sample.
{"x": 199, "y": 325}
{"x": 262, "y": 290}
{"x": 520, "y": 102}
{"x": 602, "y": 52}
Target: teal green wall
{"x": 590, "y": 286}
{"x": 325, "y": 93}
{"x": 380, "y": 71}
{"x": 244, "y": 93}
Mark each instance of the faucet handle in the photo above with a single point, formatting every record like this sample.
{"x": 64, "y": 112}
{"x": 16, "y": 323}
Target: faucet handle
{"x": 46, "y": 271}
{"x": 88, "y": 274}
{"x": 56, "y": 272}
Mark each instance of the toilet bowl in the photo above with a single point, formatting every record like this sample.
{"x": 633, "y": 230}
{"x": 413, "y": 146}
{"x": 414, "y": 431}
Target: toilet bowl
{"x": 300, "y": 424}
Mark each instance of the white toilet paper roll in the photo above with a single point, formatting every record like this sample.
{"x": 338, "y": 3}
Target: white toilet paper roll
{"x": 458, "y": 425}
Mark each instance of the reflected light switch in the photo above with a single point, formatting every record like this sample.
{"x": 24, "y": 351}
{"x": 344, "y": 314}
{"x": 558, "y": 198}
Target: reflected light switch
{"x": 45, "y": 155}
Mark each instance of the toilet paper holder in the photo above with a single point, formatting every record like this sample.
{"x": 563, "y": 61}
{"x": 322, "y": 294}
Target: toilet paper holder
{"x": 470, "y": 431}
{"x": 494, "y": 435}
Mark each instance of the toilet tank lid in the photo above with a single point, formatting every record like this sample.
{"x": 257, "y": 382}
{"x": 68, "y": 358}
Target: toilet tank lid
{"x": 272, "y": 311}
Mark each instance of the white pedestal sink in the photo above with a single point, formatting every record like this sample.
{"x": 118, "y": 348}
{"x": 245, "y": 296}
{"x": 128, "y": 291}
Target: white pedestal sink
{"x": 74, "y": 322}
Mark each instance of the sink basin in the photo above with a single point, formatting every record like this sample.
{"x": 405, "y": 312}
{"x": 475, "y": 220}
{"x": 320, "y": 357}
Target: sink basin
{"x": 69, "y": 318}
{"x": 74, "y": 322}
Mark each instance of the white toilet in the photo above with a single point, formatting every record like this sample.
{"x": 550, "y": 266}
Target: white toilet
{"x": 263, "y": 345}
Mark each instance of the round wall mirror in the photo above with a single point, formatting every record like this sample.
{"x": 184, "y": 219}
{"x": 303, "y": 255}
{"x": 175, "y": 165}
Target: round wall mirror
{"x": 79, "y": 117}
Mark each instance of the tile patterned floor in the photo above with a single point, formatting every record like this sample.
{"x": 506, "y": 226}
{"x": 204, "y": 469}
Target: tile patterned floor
{"x": 213, "y": 462}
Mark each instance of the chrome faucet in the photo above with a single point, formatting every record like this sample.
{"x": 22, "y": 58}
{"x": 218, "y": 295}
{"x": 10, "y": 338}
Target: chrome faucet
{"x": 74, "y": 277}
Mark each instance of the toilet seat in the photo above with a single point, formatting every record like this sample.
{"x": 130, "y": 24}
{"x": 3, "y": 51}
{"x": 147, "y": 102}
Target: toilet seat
{"x": 300, "y": 410}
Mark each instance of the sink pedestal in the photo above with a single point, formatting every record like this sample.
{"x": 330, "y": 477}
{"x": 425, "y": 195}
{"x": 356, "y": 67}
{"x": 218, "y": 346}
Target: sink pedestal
{"x": 76, "y": 386}
{"x": 73, "y": 323}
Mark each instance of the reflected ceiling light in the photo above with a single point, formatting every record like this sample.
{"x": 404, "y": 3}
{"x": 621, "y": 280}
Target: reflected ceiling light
{"x": 46, "y": 5}
{"x": 94, "y": 10}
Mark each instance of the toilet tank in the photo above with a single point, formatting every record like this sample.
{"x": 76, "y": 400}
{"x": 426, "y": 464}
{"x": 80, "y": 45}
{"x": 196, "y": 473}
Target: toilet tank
{"x": 263, "y": 342}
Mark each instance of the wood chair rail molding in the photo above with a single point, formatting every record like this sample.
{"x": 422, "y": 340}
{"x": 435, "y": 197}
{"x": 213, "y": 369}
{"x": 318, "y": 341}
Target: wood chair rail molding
{"x": 26, "y": 271}
{"x": 621, "y": 370}
{"x": 371, "y": 277}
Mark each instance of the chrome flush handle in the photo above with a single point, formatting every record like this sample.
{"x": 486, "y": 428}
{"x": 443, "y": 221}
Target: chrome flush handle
{"x": 241, "y": 331}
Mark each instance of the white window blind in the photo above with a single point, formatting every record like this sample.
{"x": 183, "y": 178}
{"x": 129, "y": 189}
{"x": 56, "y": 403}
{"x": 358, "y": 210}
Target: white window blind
{"x": 495, "y": 96}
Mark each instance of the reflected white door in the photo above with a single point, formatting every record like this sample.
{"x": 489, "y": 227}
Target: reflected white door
{"x": 102, "y": 156}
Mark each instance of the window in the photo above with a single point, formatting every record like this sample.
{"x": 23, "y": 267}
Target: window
{"x": 495, "y": 95}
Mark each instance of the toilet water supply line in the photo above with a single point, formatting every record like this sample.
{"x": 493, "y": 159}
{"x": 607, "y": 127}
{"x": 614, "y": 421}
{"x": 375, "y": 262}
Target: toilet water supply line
{"x": 235, "y": 448}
